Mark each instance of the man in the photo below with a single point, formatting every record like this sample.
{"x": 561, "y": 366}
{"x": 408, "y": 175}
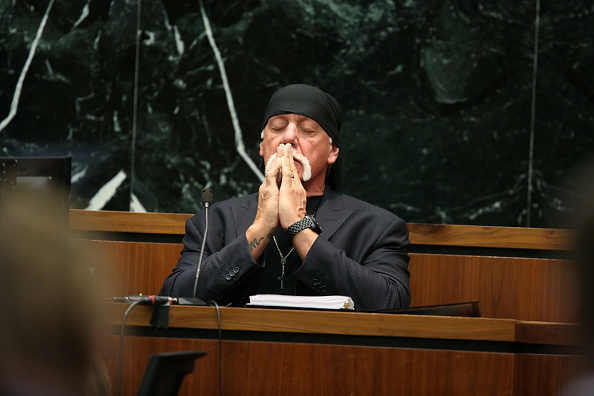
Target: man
{"x": 297, "y": 235}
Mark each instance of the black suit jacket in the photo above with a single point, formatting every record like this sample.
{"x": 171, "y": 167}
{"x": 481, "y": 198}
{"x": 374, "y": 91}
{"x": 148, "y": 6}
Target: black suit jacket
{"x": 361, "y": 253}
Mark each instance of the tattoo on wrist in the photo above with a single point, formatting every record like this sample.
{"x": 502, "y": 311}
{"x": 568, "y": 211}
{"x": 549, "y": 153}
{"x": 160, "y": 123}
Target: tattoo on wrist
{"x": 253, "y": 244}
{"x": 256, "y": 242}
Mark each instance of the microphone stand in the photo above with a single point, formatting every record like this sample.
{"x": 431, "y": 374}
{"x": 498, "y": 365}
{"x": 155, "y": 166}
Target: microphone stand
{"x": 206, "y": 201}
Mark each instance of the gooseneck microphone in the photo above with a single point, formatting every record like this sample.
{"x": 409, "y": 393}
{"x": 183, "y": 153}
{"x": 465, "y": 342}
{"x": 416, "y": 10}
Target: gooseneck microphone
{"x": 206, "y": 201}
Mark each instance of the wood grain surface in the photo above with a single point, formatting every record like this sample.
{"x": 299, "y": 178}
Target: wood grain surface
{"x": 420, "y": 234}
{"x": 260, "y": 369}
{"x": 507, "y": 287}
{"x": 127, "y": 268}
{"x": 323, "y": 322}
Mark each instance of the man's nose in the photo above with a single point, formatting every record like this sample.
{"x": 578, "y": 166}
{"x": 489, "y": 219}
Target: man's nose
{"x": 291, "y": 134}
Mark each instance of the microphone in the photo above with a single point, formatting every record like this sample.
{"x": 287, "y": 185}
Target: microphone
{"x": 206, "y": 201}
{"x": 206, "y": 198}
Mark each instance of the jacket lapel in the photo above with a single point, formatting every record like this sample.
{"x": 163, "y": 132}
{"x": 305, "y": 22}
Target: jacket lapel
{"x": 331, "y": 213}
{"x": 245, "y": 213}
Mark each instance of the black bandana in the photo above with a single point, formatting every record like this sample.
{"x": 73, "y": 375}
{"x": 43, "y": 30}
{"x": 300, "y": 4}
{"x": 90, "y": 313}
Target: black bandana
{"x": 307, "y": 101}
{"x": 316, "y": 104}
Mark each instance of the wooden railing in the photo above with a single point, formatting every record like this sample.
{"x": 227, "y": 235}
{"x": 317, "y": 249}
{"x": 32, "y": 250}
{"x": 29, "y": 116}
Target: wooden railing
{"x": 420, "y": 234}
{"x": 112, "y": 221}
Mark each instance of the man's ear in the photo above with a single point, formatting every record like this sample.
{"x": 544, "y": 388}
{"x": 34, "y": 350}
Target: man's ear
{"x": 333, "y": 154}
{"x": 261, "y": 140}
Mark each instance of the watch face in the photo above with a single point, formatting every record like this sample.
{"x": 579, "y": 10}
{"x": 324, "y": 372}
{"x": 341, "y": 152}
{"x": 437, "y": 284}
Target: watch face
{"x": 313, "y": 224}
{"x": 307, "y": 222}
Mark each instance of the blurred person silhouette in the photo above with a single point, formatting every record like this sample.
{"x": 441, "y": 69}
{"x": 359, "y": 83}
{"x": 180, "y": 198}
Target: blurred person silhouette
{"x": 48, "y": 314}
{"x": 582, "y": 222}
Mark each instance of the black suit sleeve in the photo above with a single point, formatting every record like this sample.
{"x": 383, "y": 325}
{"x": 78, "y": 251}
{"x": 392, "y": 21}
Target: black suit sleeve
{"x": 225, "y": 265}
{"x": 367, "y": 261}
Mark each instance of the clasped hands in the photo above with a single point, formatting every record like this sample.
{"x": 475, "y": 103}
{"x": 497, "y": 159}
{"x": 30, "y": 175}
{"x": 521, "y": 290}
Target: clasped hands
{"x": 281, "y": 198}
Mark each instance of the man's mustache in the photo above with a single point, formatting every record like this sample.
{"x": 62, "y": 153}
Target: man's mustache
{"x": 297, "y": 157}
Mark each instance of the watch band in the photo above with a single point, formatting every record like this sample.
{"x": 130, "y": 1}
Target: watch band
{"x": 307, "y": 222}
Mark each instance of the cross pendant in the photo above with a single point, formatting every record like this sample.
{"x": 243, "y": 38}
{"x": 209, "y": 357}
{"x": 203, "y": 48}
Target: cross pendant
{"x": 282, "y": 280}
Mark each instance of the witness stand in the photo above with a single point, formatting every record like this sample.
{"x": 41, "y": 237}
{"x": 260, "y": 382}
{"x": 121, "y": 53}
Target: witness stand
{"x": 524, "y": 344}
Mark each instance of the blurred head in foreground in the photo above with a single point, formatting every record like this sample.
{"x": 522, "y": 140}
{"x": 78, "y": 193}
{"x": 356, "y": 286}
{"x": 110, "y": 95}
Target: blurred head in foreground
{"x": 582, "y": 222}
{"x": 584, "y": 248}
{"x": 48, "y": 309}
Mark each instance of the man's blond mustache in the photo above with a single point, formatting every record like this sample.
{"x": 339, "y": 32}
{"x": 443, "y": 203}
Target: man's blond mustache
{"x": 297, "y": 157}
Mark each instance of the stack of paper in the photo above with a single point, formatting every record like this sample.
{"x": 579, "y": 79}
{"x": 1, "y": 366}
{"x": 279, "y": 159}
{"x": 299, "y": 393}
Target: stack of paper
{"x": 318, "y": 302}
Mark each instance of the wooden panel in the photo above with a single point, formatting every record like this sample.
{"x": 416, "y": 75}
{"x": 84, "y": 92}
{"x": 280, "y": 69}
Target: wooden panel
{"x": 136, "y": 354}
{"x": 112, "y": 221}
{"x": 483, "y": 236}
{"x": 546, "y": 375}
{"x": 420, "y": 234}
{"x": 507, "y": 287}
{"x": 127, "y": 268}
{"x": 548, "y": 333}
{"x": 323, "y": 322}
{"x": 257, "y": 368}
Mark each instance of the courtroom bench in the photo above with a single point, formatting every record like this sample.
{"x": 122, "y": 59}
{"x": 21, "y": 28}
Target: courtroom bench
{"x": 521, "y": 276}
{"x": 515, "y": 273}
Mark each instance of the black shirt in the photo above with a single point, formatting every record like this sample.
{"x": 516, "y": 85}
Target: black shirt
{"x": 267, "y": 280}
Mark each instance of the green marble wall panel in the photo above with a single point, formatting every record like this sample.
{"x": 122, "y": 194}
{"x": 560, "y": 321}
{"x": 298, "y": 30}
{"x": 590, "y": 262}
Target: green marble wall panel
{"x": 456, "y": 111}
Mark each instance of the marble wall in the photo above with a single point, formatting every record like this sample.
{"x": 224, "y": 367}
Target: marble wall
{"x": 456, "y": 111}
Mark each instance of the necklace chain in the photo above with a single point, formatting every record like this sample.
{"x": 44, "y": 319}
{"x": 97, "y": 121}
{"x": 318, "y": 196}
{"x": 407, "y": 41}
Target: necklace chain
{"x": 283, "y": 260}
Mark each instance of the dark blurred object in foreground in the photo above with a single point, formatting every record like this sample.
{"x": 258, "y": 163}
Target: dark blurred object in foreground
{"x": 48, "y": 313}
